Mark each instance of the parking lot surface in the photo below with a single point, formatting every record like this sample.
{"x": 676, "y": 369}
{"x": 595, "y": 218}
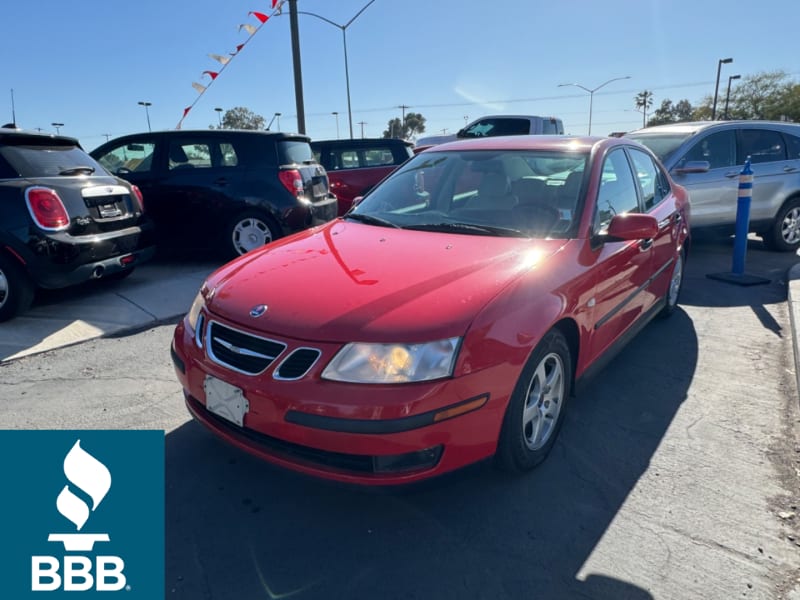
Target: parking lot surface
{"x": 675, "y": 476}
{"x": 157, "y": 291}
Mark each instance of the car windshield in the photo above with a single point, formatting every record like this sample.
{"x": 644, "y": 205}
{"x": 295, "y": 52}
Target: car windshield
{"x": 498, "y": 192}
{"x": 495, "y": 127}
{"x": 662, "y": 144}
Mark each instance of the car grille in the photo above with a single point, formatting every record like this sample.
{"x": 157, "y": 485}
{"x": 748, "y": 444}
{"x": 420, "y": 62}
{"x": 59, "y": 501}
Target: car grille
{"x": 242, "y": 352}
{"x": 297, "y": 364}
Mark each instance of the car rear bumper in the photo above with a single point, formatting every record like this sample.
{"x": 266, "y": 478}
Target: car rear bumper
{"x": 61, "y": 260}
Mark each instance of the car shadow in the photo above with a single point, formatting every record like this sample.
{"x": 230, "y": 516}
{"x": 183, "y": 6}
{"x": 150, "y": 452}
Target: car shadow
{"x": 239, "y": 528}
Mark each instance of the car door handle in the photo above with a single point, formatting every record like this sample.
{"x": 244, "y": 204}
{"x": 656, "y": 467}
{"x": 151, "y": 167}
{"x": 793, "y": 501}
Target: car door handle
{"x": 221, "y": 181}
{"x": 732, "y": 174}
{"x": 788, "y": 169}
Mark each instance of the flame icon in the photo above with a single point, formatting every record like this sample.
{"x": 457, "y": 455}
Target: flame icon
{"x": 87, "y": 474}
{"x": 93, "y": 478}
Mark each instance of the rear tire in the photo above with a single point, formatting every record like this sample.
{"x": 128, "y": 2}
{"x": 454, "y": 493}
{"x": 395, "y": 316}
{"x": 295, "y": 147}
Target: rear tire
{"x": 536, "y": 409}
{"x": 675, "y": 285}
{"x": 249, "y": 230}
{"x": 784, "y": 234}
{"x": 16, "y": 288}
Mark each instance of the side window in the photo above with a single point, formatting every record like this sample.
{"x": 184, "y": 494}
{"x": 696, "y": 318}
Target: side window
{"x": 718, "y": 149}
{"x": 652, "y": 182}
{"x": 189, "y": 155}
{"x": 133, "y": 156}
{"x": 617, "y": 193}
{"x": 378, "y": 157}
{"x": 348, "y": 159}
{"x": 762, "y": 145}
{"x": 228, "y": 156}
{"x": 793, "y": 146}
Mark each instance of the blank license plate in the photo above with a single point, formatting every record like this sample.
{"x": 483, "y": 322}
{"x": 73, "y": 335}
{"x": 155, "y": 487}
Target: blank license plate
{"x": 225, "y": 400}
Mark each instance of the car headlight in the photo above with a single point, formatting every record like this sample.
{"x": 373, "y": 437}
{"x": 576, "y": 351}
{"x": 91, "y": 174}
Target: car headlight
{"x": 393, "y": 363}
{"x": 194, "y": 311}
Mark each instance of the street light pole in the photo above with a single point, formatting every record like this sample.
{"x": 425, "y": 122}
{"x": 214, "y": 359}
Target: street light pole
{"x": 344, "y": 44}
{"x": 147, "y": 112}
{"x": 336, "y": 114}
{"x": 58, "y": 127}
{"x": 219, "y": 116}
{"x": 728, "y": 94}
{"x": 591, "y": 94}
{"x": 722, "y": 61}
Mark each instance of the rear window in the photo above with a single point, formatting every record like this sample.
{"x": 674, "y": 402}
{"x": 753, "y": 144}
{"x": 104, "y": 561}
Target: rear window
{"x": 33, "y": 160}
{"x": 294, "y": 152}
{"x": 494, "y": 127}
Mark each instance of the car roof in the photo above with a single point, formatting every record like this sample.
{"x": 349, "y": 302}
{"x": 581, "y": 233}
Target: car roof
{"x": 8, "y": 134}
{"x": 528, "y": 142}
{"x": 696, "y": 126}
{"x": 362, "y": 142}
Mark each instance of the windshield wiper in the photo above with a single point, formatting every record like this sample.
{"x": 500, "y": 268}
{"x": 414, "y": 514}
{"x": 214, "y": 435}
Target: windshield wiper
{"x": 468, "y": 228}
{"x": 75, "y": 170}
{"x": 371, "y": 220}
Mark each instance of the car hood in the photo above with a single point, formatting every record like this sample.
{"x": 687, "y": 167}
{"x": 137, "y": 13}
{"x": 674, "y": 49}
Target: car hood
{"x": 350, "y": 281}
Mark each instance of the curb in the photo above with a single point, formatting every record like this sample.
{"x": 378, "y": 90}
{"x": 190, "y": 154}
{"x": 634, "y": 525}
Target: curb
{"x": 793, "y": 299}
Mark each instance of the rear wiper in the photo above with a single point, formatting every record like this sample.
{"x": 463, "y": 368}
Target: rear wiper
{"x": 76, "y": 170}
{"x": 469, "y": 228}
{"x": 371, "y": 220}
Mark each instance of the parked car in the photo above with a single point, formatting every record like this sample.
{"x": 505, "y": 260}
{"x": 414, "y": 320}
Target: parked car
{"x": 495, "y": 126}
{"x": 63, "y": 219}
{"x": 233, "y": 189}
{"x": 462, "y": 299}
{"x": 707, "y": 157}
{"x": 355, "y": 166}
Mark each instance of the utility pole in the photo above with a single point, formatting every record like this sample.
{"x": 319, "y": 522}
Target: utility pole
{"x": 403, "y": 107}
{"x": 362, "y": 123}
{"x": 298, "y": 72}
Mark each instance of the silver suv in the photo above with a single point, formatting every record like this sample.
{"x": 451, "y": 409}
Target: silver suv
{"x": 706, "y": 158}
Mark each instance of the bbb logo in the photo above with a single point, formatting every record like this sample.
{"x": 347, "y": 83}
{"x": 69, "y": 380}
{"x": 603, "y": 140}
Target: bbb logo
{"x": 89, "y": 481}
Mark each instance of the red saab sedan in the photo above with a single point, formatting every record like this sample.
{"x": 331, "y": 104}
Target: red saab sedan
{"x": 445, "y": 318}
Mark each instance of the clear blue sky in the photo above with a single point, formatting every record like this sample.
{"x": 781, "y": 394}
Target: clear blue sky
{"x": 86, "y": 64}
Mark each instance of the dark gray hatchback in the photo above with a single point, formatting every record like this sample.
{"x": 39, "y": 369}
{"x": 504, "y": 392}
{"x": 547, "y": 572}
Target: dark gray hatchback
{"x": 235, "y": 190}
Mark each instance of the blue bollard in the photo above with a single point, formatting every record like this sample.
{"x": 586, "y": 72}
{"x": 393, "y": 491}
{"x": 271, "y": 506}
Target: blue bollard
{"x": 742, "y": 218}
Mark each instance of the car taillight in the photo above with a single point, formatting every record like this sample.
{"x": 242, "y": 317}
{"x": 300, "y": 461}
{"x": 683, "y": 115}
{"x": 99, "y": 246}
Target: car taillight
{"x": 292, "y": 181}
{"x": 46, "y": 208}
{"x": 138, "y": 193}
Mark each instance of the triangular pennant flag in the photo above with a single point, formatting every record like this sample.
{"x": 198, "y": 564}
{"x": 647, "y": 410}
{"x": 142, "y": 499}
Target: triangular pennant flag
{"x": 200, "y": 88}
{"x": 274, "y": 2}
{"x": 260, "y": 16}
{"x": 221, "y": 59}
{"x": 186, "y": 111}
{"x": 248, "y": 28}
{"x": 211, "y": 74}
{"x": 238, "y": 49}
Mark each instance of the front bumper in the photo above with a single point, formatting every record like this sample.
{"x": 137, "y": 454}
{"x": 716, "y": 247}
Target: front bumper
{"x": 361, "y": 434}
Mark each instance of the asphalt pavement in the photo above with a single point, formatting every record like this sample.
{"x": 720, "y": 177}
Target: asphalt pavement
{"x": 156, "y": 292}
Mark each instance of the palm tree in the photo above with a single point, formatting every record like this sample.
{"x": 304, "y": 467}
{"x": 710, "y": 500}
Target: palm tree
{"x": 644, "y": 100}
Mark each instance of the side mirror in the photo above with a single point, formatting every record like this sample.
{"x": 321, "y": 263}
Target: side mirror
{"x": 632, "y": 226}
{"x": 693, "y": 166}
{"x": 357, "y": 200}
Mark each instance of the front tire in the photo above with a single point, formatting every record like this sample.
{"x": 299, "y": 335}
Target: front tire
{"x": 536, "y": 409}
{"x": 16, "y": 288}
{"x": 784, "y": 234}
{"x": 249, "y": 230}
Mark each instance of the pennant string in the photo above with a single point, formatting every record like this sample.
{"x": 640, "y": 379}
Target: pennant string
{"x": 251, "y": 30}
